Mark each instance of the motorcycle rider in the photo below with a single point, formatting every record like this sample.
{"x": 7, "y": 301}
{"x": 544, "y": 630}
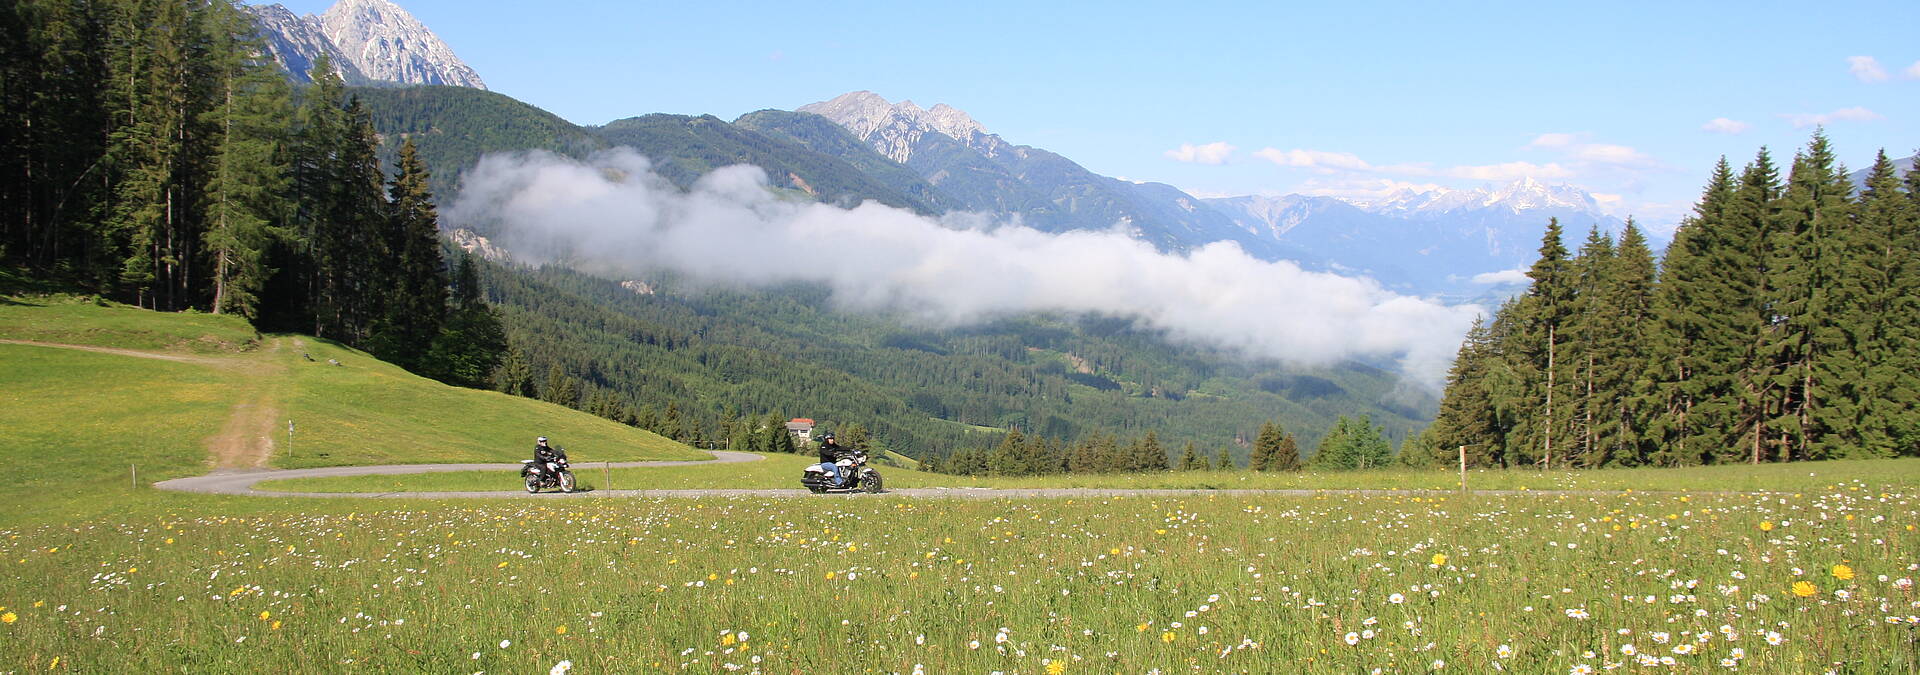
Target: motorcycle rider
{"x": 543, "y": 453}
{"x": 830, "y": 454}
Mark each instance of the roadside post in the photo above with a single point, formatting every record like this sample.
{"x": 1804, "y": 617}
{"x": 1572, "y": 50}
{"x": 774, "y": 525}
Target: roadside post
{"x": 289, "y": 438}
{"x": 1463, "y": 469}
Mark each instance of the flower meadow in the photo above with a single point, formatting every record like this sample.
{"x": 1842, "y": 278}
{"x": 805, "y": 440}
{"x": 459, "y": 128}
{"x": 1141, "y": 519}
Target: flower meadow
{"x": 1335, "y": 583}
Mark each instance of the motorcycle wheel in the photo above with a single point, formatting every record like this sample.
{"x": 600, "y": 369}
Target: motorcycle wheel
{"x": 533, "y": 484}
{"x": 816, "y": 489}
{"x": 566, "y": 481}
{"x": 871, "y": 483}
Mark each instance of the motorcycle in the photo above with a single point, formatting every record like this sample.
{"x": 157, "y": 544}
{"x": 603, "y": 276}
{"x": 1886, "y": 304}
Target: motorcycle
{"x": 554, "y": 474}
{"x": 854, "y": 472}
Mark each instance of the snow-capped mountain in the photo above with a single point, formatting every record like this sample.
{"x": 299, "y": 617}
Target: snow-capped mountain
{"x": 1525, "y": 194}
{"x": 984, "y": 173}
{"x": 371, "y": 40}
{"x": 1432, "y": 242}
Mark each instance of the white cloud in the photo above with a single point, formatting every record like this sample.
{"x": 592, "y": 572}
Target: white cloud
{"x": 1514, "y": 276}
{"x": 1211, "y": 153}
{"x": 1610, "y": 154}
{"x": 1553, "y": 141}
{"x": 1510, "y": 171}
{"x": 1722, "y": 125}
{"x": 1866, "y": 68}
{"x": 1315, "y": 159}
{"x": 1854, "y": 114}
{"x": 610, "y": 213}
{"x": 1361, "y": 189}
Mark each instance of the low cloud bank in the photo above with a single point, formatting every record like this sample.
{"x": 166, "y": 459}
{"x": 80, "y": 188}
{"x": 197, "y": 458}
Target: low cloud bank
{"x": 611, "y": 213}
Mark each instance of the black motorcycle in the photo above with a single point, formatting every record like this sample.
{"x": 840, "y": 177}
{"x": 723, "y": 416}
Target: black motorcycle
{"x": 856, "y": 476}
{"x": 554, "y": 474}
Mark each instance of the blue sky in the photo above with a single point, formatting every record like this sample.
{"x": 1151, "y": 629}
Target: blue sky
{"x": 1631, "y": 100}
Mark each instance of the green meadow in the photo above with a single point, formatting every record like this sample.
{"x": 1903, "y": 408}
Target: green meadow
{"x": 1677, "y": 569}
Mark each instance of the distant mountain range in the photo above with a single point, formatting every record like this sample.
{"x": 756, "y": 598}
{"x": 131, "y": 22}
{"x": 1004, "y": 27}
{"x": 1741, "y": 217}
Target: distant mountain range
{"x": 859, "y": 146}
{"x": 369, "y": 42}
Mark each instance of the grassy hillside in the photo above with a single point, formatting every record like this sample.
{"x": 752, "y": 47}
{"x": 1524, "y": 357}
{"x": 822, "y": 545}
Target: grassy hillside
{"x": 190, "y": 386}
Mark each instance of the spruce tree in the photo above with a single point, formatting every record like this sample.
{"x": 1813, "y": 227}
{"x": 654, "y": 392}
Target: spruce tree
{"x": 1810, "y": 233}
{"x": 1224, "y": 461}
{"x": 1286, "y": 454}
{"x": 1190, "y": 459}
{"x": 1264, "y": 446}
{"x": 244, "y": 188}
{"x": 416, "y": 297}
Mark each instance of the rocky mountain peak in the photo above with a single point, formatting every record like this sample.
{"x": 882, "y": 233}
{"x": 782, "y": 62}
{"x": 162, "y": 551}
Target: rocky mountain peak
{"x": 892, "y": 128}
{"x": 368, "y": 40}
{"x": 387, "y": 43}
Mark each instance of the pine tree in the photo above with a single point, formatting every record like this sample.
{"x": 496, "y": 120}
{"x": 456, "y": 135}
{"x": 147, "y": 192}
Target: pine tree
{"x": 244, "y": 189}
{"x": 1224, "y": 461}
{"x": 416, "y": 298}
{"x": 1625, "y": 353}
{"x": 1591, "y": 328}
{"x": 1543, "y": 434}
{"x": 1467, "y": 414}
{"x": 1810, "y": 230}
{"x": 1190, "y": 459}
{"x": 1286, "y": 454}
{"x": 1869, "y": 365}
{"x": 1010, "y": 457}
{"x": 1264, "y": 446}
{"x": 1149, "y": 455}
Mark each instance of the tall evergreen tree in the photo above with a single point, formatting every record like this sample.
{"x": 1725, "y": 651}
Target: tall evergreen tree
{"x": 416, "y": 290}
{"x": 1542, "y": 434}
{"x": 1264, "y": 446}
{"x": 1224, "y": 461}
{"x": 1811, "y": 229}
{"x": 244, "y": 189}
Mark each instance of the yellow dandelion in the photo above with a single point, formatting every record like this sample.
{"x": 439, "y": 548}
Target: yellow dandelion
{"x": 1166, "y": 637}
{"x": 1439, "y": 559}
{"x": 276, "y": 624}
{"x": 1804, "y": 589}
{"x": 54, "y": 664}
{"x": 502, "y": 565}
{"x": 560, "y": 630}
{"x": 1056, "y": 667}
{"x": 829, "y": 575}
{"x": 39, "y": 603}
{"x": 1766, "y": 526}
{"x": 264, "y": 615}
{"x": 8, "y": 617}
{"x": 727, "y": 640}
{"x": 1142, "y": 628}
{"x": 1843, "y": 572}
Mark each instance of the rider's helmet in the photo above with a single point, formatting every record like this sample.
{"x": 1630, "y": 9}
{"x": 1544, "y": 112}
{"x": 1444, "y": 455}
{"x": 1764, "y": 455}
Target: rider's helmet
{"x": 541, "y": 439}
{"x": 826, "y": 437}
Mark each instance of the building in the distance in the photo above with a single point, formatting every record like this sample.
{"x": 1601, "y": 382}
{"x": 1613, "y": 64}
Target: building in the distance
{"x": 801, "y": 428}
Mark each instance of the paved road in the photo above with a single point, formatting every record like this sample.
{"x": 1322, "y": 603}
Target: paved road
{"x": 241, "y": 482}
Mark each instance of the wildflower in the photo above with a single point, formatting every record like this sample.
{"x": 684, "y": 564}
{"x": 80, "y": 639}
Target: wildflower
{"x": 1628, "y": 649}
{"x": 561, "y": 630}
{"x": 1439, "y": 559}
{"x": 1774, "y": 638}
{"x": 1167, "y": 636}
{"x": 973, "y": 644}
{"x": 264, "y": 615}
{"x": 1582, "y": 669}
{"x": 1351, "y": 639}
{"x": 1843, "y": 572}
{"x": 505, "y": 644}
{"x": 561, "y": 668}
{"x": 1503, "y": 651}
{"x": 1804, "y": 589}
{"x": 1766, "y": 526}
{"x": 8, "y": 617}
{"x": 1396, "y": 598}
{"x": 1438, "y": 664}
{"x": 1056, "y": 667}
